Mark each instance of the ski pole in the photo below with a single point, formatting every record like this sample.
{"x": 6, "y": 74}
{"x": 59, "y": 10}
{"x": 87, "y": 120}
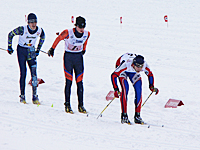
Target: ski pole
{"x": 6, "y": 50}
{"x": 106, "y": 107}
{"x": 44, "y": 52}
{"x": 3, "y": 49}
{"x": 147, "y": 99}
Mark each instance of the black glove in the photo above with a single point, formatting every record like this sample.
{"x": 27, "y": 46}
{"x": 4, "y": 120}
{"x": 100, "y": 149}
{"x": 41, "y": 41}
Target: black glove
{"x": 117, "y": 94}
{"x": 37, "y": 52}
{"x": 10, "y": 50}
{"x": 153, "y": 89}
{"x": 83, "y": 52}
{"x": 51, "y": 52}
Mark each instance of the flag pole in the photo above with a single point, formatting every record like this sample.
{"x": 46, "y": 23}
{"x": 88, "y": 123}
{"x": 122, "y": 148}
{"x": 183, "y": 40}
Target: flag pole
{"x": 166, "y": 19}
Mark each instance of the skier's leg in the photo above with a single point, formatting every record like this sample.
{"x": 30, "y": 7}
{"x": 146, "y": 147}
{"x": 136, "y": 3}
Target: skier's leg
{"x": 68, "y": 84}
{"x": 136, "y": 80}
{"x": 123, "y": 99}
{"x": 33, "y": 69}
{"x": 32, "y": 62}
{"x": 79, "y": 71}
{"x": 138, "y": 101}
{"x": 21, "y": 55}
{"x": 124, "y": 93}
{"x": 68, "y": 70}
{"x": 138, "y": 95}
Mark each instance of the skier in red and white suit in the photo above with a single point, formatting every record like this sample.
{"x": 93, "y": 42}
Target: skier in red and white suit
{"x": 130, "y": 65}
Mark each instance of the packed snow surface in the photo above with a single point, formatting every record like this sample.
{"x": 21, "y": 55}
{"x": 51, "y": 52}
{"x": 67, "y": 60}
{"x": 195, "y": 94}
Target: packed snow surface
{"x": 171, "y": 49}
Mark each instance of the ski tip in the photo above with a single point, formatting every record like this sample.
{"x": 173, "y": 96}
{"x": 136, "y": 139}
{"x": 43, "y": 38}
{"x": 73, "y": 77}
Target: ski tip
{"x": 23, "y": 102}
{"x": 128, "y": 123}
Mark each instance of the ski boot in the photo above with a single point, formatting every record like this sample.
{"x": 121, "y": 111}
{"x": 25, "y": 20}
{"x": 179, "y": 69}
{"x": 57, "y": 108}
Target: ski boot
{"x": 35, "y": 100}
{"x": 22, "y": 99}
{"x": 124, "y": 119}
{"x": 81, "y": 109}
{"x": 138, "y": 119}
{"x": 68, "y": 108}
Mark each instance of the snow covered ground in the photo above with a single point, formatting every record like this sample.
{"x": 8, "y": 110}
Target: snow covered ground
{"x": 172, "y": 53}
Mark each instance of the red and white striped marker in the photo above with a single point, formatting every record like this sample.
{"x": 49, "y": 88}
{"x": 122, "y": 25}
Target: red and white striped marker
{"x": 72, "y": 19}
{"x": 25, "y": 18}
{"x": 166, "y": 19}
{"x": 121, "y": 20}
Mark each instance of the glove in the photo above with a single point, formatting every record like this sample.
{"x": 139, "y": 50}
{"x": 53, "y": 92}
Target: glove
{"x": 51, "y": 52}
{"x": 117, "y": 94}
{"x": 10, "y": 50}
{"x": 37, "y": 52}
{"x": 154, "y": 89}
{"x": 83, "y": 52}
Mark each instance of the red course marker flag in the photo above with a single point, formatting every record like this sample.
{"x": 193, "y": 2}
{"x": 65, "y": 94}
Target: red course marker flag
{"x": 173, "y": 103}
{"x": 72, "y": 19}
{"x": 110, "y": 96}
{"x": 166, "y": 18}
{"x": 40, "y": 81}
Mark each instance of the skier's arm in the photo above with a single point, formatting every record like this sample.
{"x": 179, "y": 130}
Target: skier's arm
{"x": 149, "y": 73}
{"x": 114, "y": 81}
{"x": 41, "y": 41}
{"x": 122, "y": 67}
{"x": 17, "y": 31}
{"x": 85, "y": 44}
{"x": 62, "y": 36}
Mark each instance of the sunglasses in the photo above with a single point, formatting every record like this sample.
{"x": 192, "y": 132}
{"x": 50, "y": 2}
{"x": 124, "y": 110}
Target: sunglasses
{"x": 139, "y": 65}
{"x": 32, "y": 21}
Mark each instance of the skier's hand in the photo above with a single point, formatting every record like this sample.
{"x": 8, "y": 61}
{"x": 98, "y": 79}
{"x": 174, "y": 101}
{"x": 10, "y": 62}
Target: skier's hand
{"x": 83, "y": 52}
{"x": 153, "y": 89}
{"x": 37, "y": 52}
{"x": 51, "y": 52}
{"x": 10, "y": 50}
{"x": 117, "y": 94}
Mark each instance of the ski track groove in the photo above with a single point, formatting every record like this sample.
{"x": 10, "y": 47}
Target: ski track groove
{"x": 98, "y": 136}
